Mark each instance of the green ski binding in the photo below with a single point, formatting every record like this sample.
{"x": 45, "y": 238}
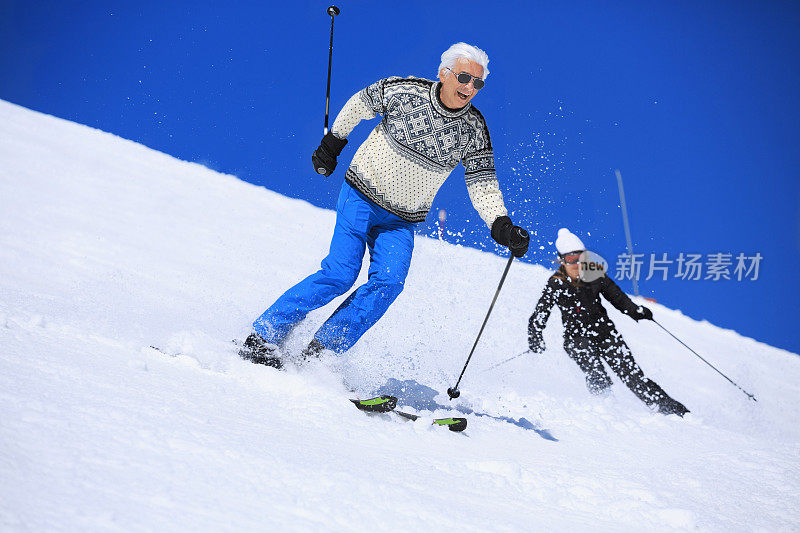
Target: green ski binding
{"x": 386, "y": 404}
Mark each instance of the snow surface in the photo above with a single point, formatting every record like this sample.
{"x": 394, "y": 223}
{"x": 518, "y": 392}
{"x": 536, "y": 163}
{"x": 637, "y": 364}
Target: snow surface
{"x": 108, "y": 247}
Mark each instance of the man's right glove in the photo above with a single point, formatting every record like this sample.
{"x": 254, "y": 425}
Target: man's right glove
{"x": 324, "y": 157}
{"x": 536, "y": 342}
{"x": 514, "y": 237}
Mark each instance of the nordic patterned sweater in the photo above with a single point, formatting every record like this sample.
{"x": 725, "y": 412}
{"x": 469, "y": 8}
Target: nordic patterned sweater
{"x": 419, "y": 141}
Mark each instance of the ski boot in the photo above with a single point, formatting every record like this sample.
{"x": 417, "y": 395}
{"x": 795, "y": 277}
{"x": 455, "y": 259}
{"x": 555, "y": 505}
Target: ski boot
{"x": 668, "y": 406}
{"x": 312, "y": 351}
{"x": 259, "y": 351}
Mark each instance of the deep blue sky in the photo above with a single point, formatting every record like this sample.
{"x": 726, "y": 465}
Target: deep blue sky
{"x": 696, "y": 104}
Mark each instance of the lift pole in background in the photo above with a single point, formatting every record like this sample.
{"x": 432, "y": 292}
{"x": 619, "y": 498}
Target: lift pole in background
{"x": 627, "y": 228}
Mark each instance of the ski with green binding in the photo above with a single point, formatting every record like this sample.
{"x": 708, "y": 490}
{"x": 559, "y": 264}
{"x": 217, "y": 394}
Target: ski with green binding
{"x": 388, "y": 404}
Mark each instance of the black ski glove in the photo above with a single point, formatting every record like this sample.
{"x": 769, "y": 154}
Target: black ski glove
{"x": 643, "y": 312}
{"x": 514, "y": 237}
{"x": 324, "y": 157}
{"x": 536, "y": 342}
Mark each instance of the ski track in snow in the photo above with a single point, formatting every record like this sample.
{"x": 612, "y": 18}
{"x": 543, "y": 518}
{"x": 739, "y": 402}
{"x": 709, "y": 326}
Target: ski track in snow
{"x": 108, "y": 247}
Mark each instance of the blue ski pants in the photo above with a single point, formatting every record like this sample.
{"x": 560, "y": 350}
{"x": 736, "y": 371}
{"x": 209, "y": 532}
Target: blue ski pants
{"x": 360, "y": 224}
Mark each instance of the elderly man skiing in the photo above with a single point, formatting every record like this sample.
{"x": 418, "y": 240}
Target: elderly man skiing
{"x": 427, "y": 129}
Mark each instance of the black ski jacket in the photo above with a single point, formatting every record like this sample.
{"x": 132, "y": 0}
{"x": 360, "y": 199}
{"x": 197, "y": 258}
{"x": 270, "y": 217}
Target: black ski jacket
{"x": 582, "y": 312}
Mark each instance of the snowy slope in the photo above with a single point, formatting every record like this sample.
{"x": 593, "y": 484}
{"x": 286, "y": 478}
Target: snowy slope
{"x": 108, "y": 247}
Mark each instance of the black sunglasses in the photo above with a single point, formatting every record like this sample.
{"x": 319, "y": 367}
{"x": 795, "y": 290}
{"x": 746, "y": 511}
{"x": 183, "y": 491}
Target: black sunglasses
{"x": 464, "y": 78}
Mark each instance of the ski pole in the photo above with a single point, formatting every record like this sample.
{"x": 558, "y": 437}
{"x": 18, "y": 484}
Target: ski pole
{"x": 332, "y": 11}
{"x": 454, "y": 392}
{"x": 506, "y": 361}
{"x": 706, "y": 362}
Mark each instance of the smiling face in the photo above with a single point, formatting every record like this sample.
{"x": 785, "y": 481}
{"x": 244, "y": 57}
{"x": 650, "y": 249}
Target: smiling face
{"x": 456, "y": 95}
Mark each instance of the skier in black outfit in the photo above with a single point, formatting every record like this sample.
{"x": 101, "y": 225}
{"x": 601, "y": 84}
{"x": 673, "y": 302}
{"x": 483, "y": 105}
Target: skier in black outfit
{"x": 589, "y": 335}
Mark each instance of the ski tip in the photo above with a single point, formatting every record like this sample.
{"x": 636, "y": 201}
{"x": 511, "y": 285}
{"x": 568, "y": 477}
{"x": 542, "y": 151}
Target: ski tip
{"x": 378, "y": 404}
{"x": 453, "y": 424}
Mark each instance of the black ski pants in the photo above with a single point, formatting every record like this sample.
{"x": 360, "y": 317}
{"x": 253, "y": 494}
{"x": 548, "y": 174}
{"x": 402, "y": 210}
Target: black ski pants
{"x": 590, "y": 352}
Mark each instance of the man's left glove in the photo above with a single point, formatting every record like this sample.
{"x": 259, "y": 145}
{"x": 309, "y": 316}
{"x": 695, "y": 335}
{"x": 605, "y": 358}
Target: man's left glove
{"x": 514, "y": 237}
{"x": 324, "y": 157}
{"x": 643, "y": 312}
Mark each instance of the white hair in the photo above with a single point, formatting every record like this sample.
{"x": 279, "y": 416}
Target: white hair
{"x": 467, "y": 51}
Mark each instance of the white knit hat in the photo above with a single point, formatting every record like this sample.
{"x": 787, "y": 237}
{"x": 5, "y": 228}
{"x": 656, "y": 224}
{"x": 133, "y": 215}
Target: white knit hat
{"x": 568, "y": 242}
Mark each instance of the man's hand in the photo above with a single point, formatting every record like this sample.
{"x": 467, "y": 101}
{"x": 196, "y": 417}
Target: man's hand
{"x": 324, "y": 157}
{"x": 643, "y": 312}
{"x": 519, "y": 242}
{"x": 514, "y": 237}
{"x": 536, "y": 342}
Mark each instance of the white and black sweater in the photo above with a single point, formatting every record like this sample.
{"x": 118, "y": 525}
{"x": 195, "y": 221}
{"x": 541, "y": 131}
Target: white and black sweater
{"x": 419, "y": 141}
